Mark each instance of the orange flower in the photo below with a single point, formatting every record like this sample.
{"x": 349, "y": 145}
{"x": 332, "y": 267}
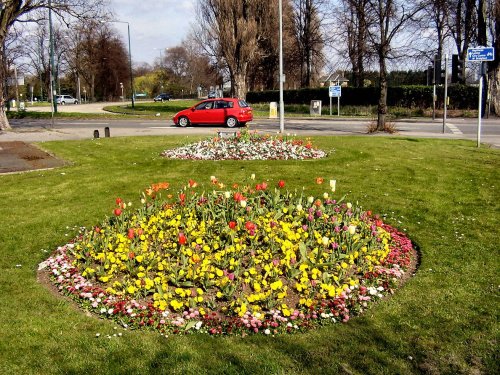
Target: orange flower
{"x": 192, "y": 183}
{"x": 319, "y": 180}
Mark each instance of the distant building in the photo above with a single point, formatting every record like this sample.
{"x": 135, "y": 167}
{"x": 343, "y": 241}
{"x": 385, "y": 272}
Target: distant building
{"x": 333, "y": 79}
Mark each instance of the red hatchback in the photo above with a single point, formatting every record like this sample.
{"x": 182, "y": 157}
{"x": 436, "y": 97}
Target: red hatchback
{"x": 221, "y": 111}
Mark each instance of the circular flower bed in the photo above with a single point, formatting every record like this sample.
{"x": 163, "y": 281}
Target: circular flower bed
{"x": 247, "y": 146}
{"x": 246, "y": 259}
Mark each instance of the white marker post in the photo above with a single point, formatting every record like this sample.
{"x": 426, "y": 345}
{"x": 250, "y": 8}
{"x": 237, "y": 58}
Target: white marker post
{"x": 481, "y": 54}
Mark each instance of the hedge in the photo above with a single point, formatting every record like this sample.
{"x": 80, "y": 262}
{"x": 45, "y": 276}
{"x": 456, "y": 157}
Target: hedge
{"x": 461, "y": 96}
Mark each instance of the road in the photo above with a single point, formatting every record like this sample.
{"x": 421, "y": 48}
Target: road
{"x": 29, "y": 130}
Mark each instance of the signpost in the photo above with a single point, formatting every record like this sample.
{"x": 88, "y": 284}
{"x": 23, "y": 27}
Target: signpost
{"x": 481, "y": 54}
{"x": 335, "y": 92}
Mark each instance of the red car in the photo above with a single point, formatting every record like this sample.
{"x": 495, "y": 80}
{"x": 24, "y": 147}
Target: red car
{"x": 221, "y": 111}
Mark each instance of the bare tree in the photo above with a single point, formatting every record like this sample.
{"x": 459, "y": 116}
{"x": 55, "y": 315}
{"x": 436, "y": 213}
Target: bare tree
{"x": 100, "y": 58}
{"x": 390, "y": 17}
{"x": 308, "y": 24}
{"x": 351, "y": 21}
{"x": 462, "y": 22}
{"x": 25, "y": 11}
{"x": 494, "y": 66}
{"x": 230, "y": 31}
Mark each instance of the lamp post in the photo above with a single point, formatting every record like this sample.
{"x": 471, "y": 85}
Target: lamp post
{"x": 282, "y": 105}
{"x": 52, "y": 68}
{"x": 129, "y": 61}
{"x": 121, "y": 86}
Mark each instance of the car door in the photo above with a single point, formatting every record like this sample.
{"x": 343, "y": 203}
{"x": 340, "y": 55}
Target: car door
{"x": 202, "y": 113}
{"x": 219, "y": 112}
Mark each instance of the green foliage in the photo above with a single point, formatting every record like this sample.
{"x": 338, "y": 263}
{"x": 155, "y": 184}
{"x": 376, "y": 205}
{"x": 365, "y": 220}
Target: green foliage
{"x": 461, "y": 96}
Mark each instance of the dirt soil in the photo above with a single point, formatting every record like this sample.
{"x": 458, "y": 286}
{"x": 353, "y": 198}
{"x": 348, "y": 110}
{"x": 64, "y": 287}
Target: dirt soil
{"x": 21, "y": 156}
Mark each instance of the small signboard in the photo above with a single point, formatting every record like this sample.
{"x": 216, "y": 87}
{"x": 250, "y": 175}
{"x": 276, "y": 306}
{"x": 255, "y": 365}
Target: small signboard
{"x": 334, "y": 91}
{"x": 481, "y": 54}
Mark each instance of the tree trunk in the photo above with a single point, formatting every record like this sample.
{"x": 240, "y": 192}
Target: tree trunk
{"x": 382, "y": 101}
{"x": 240, "y": 86}
{"x": 495, "y": 90}
{"x": 4, "y": 121}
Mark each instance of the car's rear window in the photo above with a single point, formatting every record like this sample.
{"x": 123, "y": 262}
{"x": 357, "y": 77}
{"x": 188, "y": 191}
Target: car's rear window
{"x": 242, "y": 103}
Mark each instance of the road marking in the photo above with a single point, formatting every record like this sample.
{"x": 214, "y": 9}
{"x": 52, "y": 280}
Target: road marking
{"x": 83, "y": 123}
{"x": 454, "y": 129}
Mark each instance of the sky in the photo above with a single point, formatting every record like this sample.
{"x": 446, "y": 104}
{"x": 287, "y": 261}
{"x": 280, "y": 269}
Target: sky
{"x": 154, "y": 25}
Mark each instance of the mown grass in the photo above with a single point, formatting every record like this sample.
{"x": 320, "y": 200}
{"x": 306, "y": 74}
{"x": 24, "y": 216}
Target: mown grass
{"x": 443, "y": 193}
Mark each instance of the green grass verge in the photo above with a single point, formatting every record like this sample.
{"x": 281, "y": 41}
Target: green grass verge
{"x": 444, "y": 193}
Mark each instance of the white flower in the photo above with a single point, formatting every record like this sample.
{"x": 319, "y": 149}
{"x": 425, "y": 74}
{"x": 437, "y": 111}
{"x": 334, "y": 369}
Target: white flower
{"x": 213, "y": 178}
{"x": 198, "y": 325}
{"x": 333, "y": 183}
{"x": 267, "y": 331}
{"x": 325, "y": 195}
{"x": 349, "y": 205}
{"x": 310, "y": 199}
{"x": 299, "y": 207}
{"x": 352, "y": 229}
{"x": 252, "y": 176}
{"x": 325, "y": 240}
{"x": 227, "y": 194}
{"x": 243, "y": 204}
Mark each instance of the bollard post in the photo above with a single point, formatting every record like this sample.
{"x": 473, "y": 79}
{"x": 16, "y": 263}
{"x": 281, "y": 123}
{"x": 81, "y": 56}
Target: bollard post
{"x": 106, "y": 132}
{"x": 96, "y": 133}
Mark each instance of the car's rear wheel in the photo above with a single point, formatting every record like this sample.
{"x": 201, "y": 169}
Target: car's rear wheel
{"x": 231, "y": 122}
{"x": 183, "y": 121}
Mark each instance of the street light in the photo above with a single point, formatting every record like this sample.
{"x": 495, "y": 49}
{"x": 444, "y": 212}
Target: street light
{"x": 129, "y": 59}
{"x": 52, "y": 68}
{"x": 121, "y": 86}
{"x": 282, "y": 105}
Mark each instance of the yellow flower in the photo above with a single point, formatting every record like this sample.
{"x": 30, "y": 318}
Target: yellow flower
{"x": 176, "y": 305}
{"x": 276, "y": 285}
{"x": 256, "y": 287}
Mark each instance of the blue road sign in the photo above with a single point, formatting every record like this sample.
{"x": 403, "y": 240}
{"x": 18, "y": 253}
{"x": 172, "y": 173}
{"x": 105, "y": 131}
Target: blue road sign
{"x": 335, "y": 91}
{"x": 481, "y": 54}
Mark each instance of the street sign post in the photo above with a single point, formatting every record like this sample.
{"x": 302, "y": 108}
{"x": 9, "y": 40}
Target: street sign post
{"x": 481, "y": 54}
{"x": 335, "y": 92}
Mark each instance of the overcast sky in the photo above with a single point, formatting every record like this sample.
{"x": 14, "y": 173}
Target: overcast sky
{"x": 154, "y": 24}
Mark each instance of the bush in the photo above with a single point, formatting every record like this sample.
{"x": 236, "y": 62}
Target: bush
{"x": 461, "y": 96}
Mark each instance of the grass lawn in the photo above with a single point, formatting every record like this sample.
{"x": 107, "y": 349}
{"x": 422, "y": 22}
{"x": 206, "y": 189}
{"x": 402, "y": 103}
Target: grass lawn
{"x": 444, "y": 193}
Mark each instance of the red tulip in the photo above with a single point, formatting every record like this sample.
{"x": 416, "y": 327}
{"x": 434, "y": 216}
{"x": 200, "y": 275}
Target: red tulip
{"x": 118, "y": 201}
{"x": 281, "y": 184}
{"x": 130, "y": 233}
{"x": 232, "y": 224}
{"x": 117, "y": 211}
{"x": 182, "y": 239}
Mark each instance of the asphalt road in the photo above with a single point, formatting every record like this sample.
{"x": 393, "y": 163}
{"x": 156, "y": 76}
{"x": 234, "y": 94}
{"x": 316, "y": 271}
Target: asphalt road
{"x": 456, "y": 128}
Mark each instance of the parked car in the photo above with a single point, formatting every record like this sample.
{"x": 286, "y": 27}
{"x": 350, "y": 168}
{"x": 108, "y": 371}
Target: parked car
{"x": 212, "y": 95}
{"x": 162, "y": 97}
{"x": 222, "y": 111}
{"x": 66, "y": 99}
